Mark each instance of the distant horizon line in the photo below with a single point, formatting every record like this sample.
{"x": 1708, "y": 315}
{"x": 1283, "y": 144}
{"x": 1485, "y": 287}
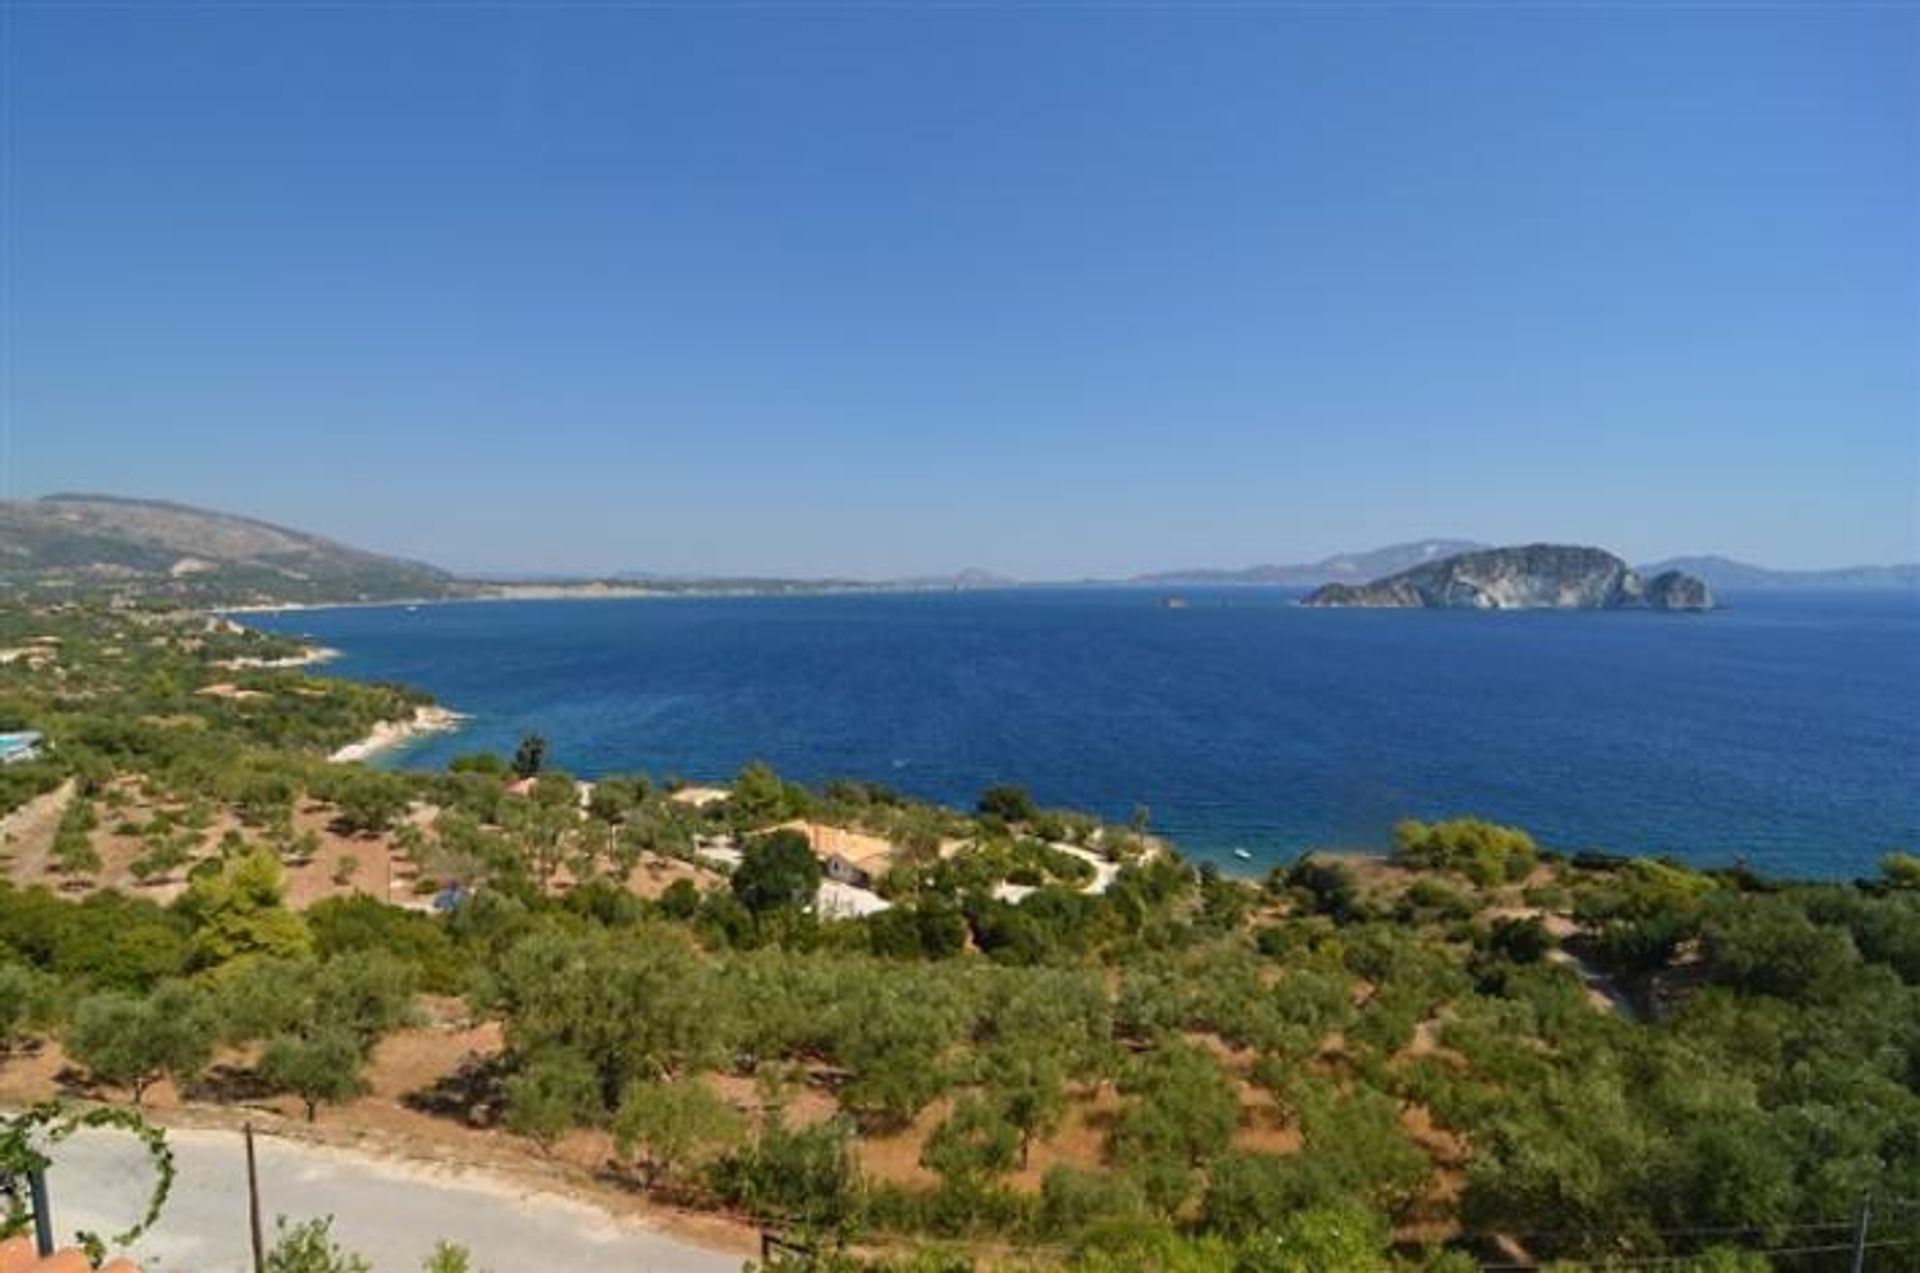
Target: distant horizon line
{"x": 1222, "y": 576}
{"x": 986, "y": 576}
{"x": 974, "y": 575}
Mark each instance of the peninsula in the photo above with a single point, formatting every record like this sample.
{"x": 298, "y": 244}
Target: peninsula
{"x": 1532, "y": 577}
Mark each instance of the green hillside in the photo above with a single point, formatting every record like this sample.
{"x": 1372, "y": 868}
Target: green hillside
{"x": 90, "y": 543}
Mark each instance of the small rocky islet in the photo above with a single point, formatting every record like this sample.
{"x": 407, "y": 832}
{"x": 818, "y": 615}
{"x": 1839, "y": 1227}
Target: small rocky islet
{"x": 1530, "y": 577}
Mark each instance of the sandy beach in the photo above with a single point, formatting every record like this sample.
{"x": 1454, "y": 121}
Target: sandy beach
{"x": 389, "y": 734}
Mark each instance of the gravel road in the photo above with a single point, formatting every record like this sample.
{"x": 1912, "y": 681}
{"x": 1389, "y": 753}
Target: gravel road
{"x": 391, "y": 1212}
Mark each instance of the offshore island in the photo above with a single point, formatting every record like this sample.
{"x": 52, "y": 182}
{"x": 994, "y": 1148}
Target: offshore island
{"x": 863, "y": 1027}
{"x": 1533, "y": 577}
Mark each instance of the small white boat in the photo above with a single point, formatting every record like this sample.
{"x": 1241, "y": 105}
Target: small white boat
{"x": 1243, "y": 855}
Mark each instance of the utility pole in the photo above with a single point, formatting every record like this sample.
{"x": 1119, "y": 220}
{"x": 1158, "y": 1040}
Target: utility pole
{"x": 42, "y": 1211}
{"x": 1860, "y": 1236}
{"x": 253, "y": 1205}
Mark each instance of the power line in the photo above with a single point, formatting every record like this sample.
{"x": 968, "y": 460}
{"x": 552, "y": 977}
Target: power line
{"x": 1672, "y": 1261}
{"x": 1703, "y": 1231}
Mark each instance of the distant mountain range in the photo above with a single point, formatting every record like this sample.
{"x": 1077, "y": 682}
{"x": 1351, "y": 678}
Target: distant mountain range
{"x": 85, "y": 542}
{"x": 960, "y": 579}
{"x": 90, "y": 542}
{"x": 1346, "y": 568}
{"x": 1723, "y": 573}
{"x": 1719, "y": 573}
{"x": 74, "y": 543}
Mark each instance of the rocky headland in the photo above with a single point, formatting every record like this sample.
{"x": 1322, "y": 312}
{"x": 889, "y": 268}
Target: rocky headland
{"x": 1532, "y": 577}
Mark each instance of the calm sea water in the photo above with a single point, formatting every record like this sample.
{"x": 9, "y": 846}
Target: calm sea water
{"x": 1783, "y": 730}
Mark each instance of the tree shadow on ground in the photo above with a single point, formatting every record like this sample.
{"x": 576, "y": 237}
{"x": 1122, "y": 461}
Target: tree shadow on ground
{"x": 232, "y": 1085}
{"x": 76, "y": 1081}
{"x": 472, "y": 1095}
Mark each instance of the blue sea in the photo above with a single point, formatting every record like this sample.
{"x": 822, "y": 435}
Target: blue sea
{"x": 1782, "y": 730}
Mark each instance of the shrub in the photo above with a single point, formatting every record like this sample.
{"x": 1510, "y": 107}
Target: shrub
{"x": 25, "y": 999}
{"x": 1325, "y": 888}
{"x": 777, "y": 871}
{"x": 550, "y": 1096}
{"x": 1485, "y": 852}
{"x": 1349, "y": 1238}
{"x": 1521, "y": 941}
{"x": 802, "y": 1176}
{"x": 308, "y": 1247}
{"x": 1011, "y": 804}
{"x": 359, "y": 924}
{"x": 670, "y": 1123}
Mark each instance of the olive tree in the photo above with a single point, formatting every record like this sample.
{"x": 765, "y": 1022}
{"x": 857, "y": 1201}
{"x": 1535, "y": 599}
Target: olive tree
{"x": 667, "y": 1124}
{"x": 23, "y": 1002}
{"x": 321, "y": 1068}
{"x": 130, "y": 1042}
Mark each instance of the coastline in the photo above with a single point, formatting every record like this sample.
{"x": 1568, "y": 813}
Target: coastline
{"x": 389, "y": 734}
{"x": 626, "y": 592}
{"x": 309, "y": 657}
{"x": 1274, "y": 831}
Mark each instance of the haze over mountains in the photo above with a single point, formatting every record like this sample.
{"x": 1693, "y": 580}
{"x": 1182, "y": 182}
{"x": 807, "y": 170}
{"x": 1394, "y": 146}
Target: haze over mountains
{"x": 1718, "y": 573}
{"x": 1722, "y": 573}
{"x": 81, "y": 541}
{"x": 1344, "y": 568}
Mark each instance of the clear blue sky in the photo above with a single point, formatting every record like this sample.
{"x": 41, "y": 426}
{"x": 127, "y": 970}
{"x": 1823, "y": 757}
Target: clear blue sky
{"x": 1053, "y": 290}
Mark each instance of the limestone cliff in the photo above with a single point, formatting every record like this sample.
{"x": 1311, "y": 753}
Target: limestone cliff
{"x": 1533, "y": 577}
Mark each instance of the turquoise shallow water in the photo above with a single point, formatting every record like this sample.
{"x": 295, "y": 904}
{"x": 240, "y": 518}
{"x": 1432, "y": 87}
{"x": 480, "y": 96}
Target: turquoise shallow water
{"x": 1783, "y": 730}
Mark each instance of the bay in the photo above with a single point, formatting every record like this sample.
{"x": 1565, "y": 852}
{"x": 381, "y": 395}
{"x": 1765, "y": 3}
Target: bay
{"x": 1782, "y": 730}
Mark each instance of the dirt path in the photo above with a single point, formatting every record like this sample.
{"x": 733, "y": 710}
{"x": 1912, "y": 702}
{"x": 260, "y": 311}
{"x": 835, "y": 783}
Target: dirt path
{"x": 1602, "y": 992}
{"x": 26, "y": 834}
{"x": 391, "y": 1212}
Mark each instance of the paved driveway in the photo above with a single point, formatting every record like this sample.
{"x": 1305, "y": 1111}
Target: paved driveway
{"x": 390, "y": 1212}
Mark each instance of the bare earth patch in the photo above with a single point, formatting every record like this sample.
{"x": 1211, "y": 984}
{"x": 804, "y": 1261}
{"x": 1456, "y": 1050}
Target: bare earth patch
{"x": 26, "y": 834}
